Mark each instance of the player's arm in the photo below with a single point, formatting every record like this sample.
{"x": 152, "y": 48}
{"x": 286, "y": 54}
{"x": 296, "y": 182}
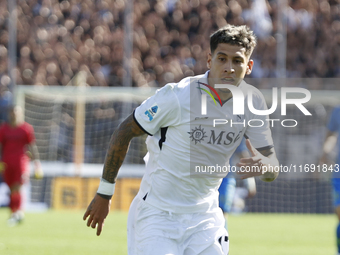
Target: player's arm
{"x": 118, "y": 147}
{"x": 34, "y": 153}
{"x": 33, "y": 149}
{"x": 263, "y": 163}
{"x": 272, "y": 165}
{"x": 250, "y": 184}
{"x": 330, "y": 141}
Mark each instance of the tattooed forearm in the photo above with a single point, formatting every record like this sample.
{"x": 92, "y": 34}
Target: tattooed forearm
{"x": 119, "y": 145}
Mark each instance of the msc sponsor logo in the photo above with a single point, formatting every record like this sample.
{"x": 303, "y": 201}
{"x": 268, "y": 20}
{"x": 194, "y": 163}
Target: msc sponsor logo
{"x": 198, "y": 135}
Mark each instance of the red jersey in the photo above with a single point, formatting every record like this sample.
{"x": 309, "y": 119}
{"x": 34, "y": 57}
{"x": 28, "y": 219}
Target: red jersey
{"x": 14, "y": 141}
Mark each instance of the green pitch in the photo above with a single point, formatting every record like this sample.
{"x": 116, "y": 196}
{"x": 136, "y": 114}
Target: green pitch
{"x": 64, "y": 232}
{"x": 282, "y": 234}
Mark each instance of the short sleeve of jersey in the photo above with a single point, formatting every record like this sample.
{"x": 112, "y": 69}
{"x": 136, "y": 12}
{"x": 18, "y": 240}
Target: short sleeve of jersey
{"x": 30, "y": 133}
{"x": 333, "y": 124}
{"x": 160, "y": 110}
{"x": 258, "y": 130}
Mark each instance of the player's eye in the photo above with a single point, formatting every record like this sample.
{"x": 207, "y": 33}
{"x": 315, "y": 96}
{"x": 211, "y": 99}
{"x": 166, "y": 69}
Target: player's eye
{"x": 237, "y": 61}
{"x": 221, "y": 59}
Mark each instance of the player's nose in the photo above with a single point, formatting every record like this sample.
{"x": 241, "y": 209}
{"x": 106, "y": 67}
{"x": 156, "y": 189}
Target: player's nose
{"x": 228, "y": 67}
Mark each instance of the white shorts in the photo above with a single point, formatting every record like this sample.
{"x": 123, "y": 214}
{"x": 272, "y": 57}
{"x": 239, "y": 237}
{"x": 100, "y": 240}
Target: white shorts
{"x": 152, "y": 231}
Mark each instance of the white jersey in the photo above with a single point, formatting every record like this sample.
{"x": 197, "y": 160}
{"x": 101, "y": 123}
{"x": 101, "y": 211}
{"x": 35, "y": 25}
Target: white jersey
{"x": 182, "y": 142}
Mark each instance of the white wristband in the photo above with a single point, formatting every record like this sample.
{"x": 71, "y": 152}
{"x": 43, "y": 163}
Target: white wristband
{"x": 106, "y": 188}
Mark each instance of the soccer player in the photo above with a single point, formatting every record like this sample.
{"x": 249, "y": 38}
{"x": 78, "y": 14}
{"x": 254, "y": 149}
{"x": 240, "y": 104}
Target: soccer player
{"x": 176, "y": 209}
{"x": 330, "y": 140}
{"x": 16, "y": 138}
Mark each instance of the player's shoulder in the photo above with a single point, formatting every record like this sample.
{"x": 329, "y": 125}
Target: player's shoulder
{"x": 180, "y": 88}
{"x": 245, "y": 87}
{"x": 166, "y": 92}
{"x": 26, "y": 126}
{"x": 255, "y": 92}
{"x": 185, "y": 82}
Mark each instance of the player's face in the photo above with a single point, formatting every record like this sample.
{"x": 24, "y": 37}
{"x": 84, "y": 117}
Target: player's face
{"x": 11, "y": 115}
{"x": 229, "y": 64}
{"x": 14, "y": 114}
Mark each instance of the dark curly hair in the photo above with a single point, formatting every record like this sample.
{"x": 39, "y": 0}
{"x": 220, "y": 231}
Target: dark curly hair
{"x": 234, "y": 35}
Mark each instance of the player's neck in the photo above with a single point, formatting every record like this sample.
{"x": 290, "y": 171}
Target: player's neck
{"x": 15, "y": 123}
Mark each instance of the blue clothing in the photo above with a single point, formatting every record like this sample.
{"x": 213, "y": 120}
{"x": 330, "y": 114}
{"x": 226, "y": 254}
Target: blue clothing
{"x": 227, "y": 192}
{"x": 228, "y": 185}
{"x": 242, "y": 147}
{"x": 5, "y": 101}
{"x": 336, "y": 193}
{"x": 334, "y": 126}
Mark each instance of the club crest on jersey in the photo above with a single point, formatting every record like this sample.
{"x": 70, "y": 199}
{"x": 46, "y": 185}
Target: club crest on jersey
{"x": 152, "y": 111}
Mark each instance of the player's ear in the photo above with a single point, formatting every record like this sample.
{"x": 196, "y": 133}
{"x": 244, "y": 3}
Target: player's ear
{"x": 209, "y": 60}
{"x": 250, "y": 65}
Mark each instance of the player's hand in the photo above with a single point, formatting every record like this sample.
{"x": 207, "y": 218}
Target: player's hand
{"x": 97, "y": 210}
{"x": 38, "y": 173}
{"x": 251, "y": 187}
{"x": 252, "y": 166}
{"x": 251, "y": 194}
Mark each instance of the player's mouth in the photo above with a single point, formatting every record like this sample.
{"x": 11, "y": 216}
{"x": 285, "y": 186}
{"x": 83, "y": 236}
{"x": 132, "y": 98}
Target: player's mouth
{"x": 228, "y": 80}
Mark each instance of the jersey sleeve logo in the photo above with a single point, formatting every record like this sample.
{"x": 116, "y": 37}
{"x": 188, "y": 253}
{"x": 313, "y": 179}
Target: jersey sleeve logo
{"x": 154, "y": 109}
{"x": 152, "y": 112}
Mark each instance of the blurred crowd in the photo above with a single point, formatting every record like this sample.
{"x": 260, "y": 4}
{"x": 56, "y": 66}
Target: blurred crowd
{"x": 57, "y": 39}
